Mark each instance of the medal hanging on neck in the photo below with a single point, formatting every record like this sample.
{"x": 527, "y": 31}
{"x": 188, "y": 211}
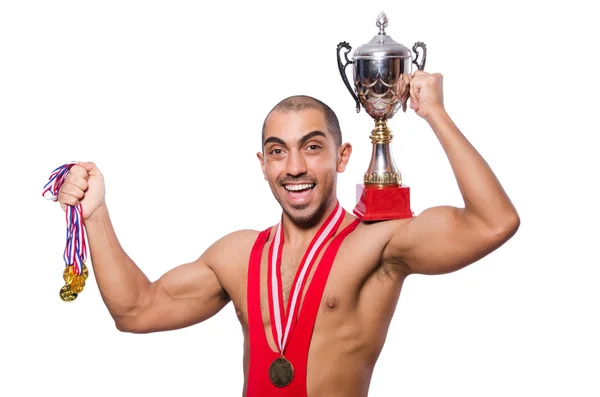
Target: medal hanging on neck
{"x": 281, "y": 371}
{"x": 75, "y": 272}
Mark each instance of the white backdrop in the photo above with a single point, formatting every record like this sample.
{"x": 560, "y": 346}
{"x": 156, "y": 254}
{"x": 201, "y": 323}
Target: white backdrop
{"x": 168, "y": 99}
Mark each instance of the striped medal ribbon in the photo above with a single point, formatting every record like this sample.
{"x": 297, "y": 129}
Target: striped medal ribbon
{"x": 281, "y": 371}
{"x": 75, "y": 272}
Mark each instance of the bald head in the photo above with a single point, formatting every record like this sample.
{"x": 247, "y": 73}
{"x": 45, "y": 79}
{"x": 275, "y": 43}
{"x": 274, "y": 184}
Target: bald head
{"x": 298, "y": 103}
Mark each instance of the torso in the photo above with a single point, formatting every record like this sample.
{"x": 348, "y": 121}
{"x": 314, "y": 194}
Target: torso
{"x": 355, "y": 310}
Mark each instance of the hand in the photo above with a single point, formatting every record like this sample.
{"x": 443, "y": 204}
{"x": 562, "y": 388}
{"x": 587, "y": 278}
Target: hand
{"x": 426, "y": 93}
{"x": 85, "y": 185}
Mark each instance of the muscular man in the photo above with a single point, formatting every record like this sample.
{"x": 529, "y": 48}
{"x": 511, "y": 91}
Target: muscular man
{"x": 346, "y": 296}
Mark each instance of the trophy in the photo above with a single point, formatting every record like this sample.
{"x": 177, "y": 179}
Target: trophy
{"x": 382, "y": 72}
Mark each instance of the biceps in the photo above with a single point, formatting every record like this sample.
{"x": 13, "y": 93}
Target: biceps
{"x": 184, "y": 296}
{"x": 443, "y": 240}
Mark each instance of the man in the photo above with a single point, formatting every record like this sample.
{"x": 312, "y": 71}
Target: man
{"x": 340, "y": 288}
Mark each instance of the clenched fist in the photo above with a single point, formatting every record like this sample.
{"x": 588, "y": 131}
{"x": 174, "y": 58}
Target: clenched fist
{"x": 85, "y": 185}
{"x": 426, "y": 93}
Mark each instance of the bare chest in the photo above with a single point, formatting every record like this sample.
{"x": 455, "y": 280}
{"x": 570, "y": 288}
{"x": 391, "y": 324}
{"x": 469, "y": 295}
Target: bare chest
{"x": 339, "y": 287}
{"x": 297, "y": 291}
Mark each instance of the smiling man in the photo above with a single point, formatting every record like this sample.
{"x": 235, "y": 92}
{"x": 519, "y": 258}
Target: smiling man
{"x": 316, "y": 292}
{"x": 297, "y": 134}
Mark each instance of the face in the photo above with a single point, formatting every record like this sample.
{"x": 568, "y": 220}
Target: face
{"x": 300, "y": 160}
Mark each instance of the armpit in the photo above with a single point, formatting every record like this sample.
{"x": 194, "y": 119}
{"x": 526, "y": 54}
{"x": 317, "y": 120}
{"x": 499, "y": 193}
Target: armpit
{"x": 392, "y": 269}
{"x": 224, "y": 296}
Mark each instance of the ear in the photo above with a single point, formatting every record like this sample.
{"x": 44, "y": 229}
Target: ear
{"x": 344, "y": 153}
{"x": 262, "y": 164}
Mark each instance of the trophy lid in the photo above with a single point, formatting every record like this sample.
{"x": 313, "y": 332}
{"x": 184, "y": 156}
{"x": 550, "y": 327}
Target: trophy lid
{"x": 382, "y": 45}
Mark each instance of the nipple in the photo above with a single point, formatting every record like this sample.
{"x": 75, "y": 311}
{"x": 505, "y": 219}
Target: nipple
{"x": 331, "y": 302}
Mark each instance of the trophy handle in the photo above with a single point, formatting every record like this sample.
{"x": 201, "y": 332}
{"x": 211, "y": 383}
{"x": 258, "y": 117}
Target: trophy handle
{"x": 420, "y": 44}
{"x": 342, "y": 68}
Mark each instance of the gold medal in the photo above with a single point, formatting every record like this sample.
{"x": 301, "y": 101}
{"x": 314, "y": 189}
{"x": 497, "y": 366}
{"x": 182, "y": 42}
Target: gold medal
{"x": 84, "y": 271}
{"x": 281, "y": 372}
{"x": 68, "y": 274}
{"x": 67, "y": 294}
{"x": 78, "y": 283}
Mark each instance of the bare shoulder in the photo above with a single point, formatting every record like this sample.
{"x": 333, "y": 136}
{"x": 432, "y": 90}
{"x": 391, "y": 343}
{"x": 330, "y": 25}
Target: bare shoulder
{"x": 378, "y": 234}
{"x": 232, "y": 249}
{"x": 369, "y": 241}
{"x": 227, "y": 258}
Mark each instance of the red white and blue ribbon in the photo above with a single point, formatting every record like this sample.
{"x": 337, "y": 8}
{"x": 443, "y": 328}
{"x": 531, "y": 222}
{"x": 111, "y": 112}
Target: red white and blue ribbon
{"x": 75, "y": 253}
{"x": 282, "y": 325}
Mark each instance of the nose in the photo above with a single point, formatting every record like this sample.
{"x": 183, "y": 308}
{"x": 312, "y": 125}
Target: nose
{"x": 295, "y": 164}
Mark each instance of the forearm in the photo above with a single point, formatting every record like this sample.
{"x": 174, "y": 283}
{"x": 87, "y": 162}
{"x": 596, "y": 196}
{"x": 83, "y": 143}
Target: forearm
{"x": 122, "y": 284}
{"x": 482, "y": 193}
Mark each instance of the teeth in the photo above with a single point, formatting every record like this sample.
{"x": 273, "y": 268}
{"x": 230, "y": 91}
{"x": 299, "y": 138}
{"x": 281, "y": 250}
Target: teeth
{"x": 295, "y": 188}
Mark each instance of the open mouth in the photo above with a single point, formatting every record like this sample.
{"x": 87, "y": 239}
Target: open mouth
{"x": 300, "y": 187}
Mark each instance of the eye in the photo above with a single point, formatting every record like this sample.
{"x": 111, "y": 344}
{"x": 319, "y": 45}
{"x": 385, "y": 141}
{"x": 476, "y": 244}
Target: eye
{"x": 313, "y": 147}
{"x": 276, "y": 151}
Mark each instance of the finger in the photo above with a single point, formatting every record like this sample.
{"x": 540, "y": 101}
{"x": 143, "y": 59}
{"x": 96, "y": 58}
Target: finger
{"x": 89, "y": 166}
{"x": 419, "y": 73}
{"x": 413, "y": 105}
{"x": 415, "y": 86}
{"x": 78, "y": 181}
{"x": 71, "y": 190}
{"x": 414, "y": 94}
{"x": 405, "y": 94}
{"x": 67, "y": 199}
{"x": 78, "y": 171}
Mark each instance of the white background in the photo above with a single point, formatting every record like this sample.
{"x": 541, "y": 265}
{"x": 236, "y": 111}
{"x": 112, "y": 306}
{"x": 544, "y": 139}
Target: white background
{"x": 168, "y": 99}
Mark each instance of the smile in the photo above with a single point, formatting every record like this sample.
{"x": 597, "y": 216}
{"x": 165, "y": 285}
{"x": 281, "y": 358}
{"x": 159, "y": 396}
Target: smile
{"x": 299, "y": 188}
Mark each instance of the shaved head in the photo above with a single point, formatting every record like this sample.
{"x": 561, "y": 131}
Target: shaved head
{"x": 298, "y": 103}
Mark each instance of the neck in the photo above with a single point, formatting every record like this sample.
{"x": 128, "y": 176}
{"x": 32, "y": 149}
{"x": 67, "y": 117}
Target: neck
{"x": 300, "y": 235}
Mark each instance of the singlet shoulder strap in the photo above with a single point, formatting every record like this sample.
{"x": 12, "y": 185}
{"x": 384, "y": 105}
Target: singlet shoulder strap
{"x": 253, "y": 283}
{"x": 337, "y": 241}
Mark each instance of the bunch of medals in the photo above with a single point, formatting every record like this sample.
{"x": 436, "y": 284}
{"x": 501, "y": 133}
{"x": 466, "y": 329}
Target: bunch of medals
{"x": 74, "y": 283}
{"x": 75, "y": 272}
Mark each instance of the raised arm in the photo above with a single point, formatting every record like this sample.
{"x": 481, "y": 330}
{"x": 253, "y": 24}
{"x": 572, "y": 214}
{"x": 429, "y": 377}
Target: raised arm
{"x": 444, "y": 239}
{"x": 186, "y": 295}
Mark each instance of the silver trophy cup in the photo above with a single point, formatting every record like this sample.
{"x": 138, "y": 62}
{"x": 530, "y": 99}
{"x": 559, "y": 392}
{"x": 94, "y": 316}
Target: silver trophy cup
{"x": 382, "y": 73}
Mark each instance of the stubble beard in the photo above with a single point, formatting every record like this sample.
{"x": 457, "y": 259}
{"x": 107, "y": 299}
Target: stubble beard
{"x": 302, "y": 216}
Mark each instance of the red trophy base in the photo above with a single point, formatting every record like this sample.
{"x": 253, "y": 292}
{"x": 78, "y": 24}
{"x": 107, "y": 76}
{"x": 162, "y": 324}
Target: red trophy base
{"x": 380, "y": 203}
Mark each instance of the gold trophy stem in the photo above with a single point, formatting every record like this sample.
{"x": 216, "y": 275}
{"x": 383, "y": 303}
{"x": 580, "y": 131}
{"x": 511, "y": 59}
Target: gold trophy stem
{"x": 381, "y": 133}
{"x": 382, "y": 171}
